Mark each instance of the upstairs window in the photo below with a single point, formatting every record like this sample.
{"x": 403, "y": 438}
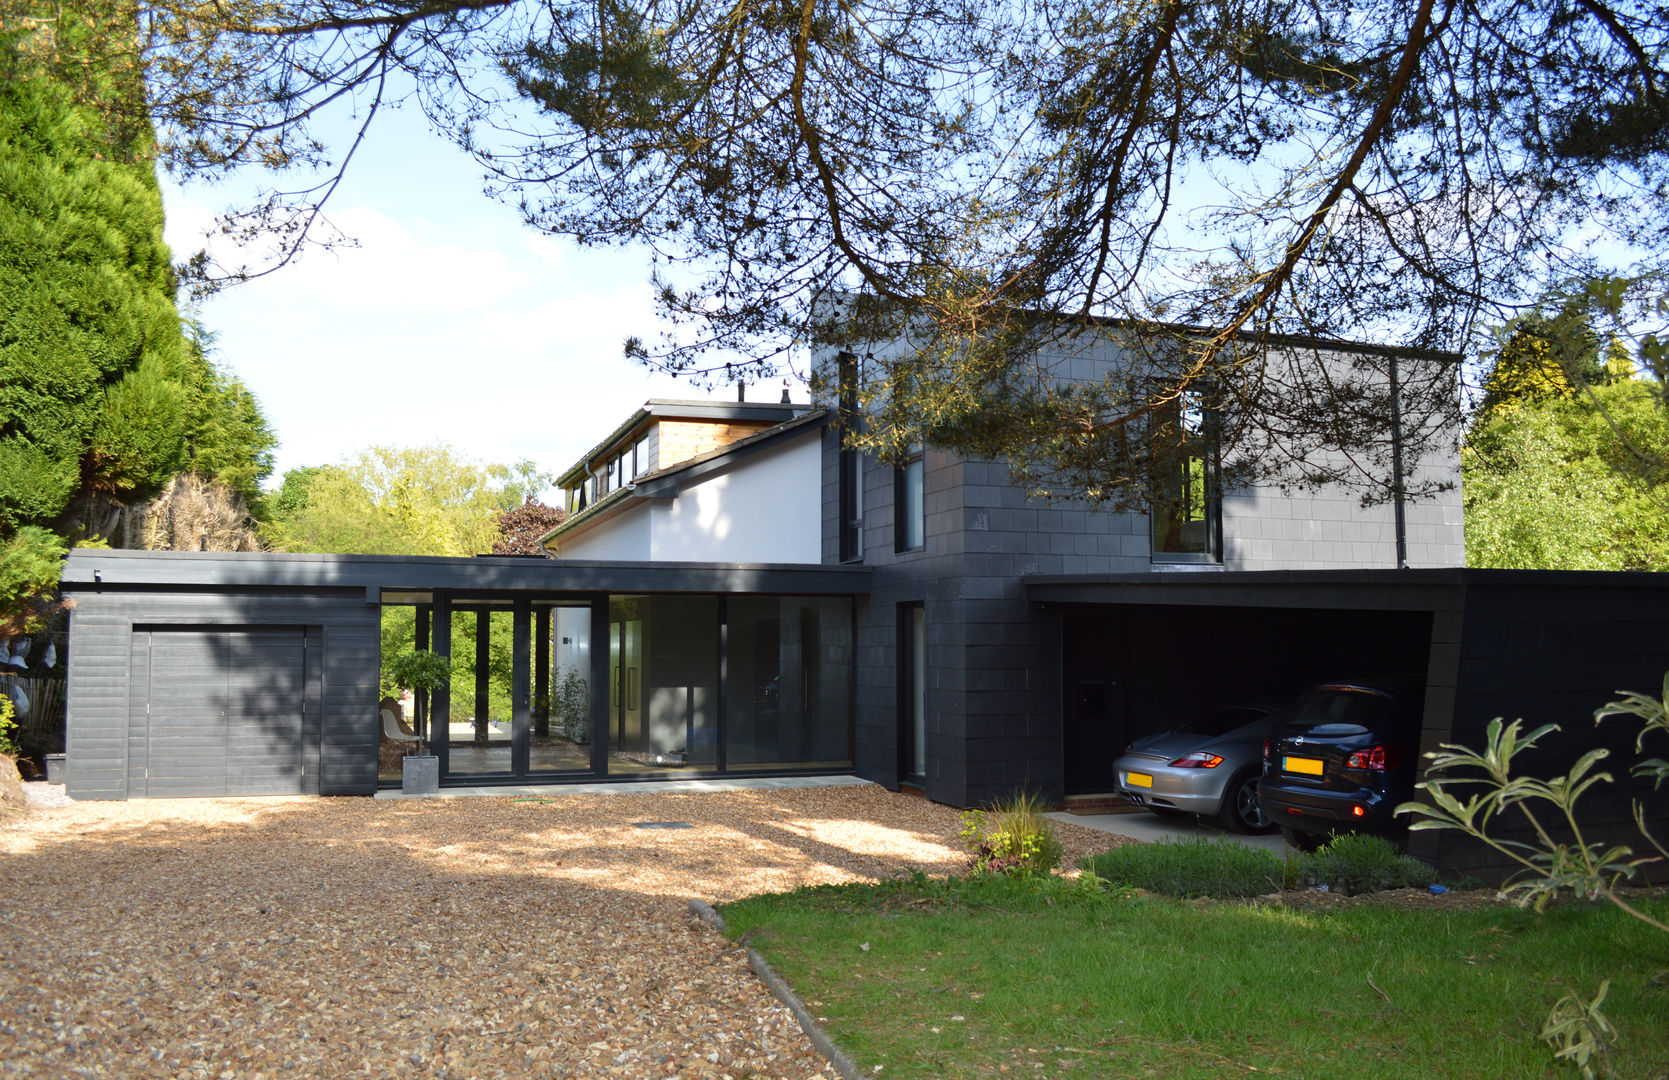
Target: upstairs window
{"x": 910, "y": 503}
{"x": 850, "y": 464}
{"x": 1186, "y": 507}
{"x": 640, "y": 457}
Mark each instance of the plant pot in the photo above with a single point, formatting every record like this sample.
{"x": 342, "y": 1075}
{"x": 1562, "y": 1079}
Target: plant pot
{"x": 419, "y": 774}
{"x": 56, "y": 770}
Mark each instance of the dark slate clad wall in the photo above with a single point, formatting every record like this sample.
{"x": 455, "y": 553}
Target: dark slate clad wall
{"x": 340, "y": 760}
{"x": 993, "y": 662}
{"x": 1551, "y": 652}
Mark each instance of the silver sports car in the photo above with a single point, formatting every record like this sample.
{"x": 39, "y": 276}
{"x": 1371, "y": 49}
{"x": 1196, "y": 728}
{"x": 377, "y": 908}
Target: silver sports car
{"x": 1209, "y": 765}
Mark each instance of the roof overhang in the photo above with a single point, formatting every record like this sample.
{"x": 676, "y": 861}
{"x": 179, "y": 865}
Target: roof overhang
{"x": 1382, "y": 590}
{"x": 412, "y": 578}
{"x": 668, "y": 409}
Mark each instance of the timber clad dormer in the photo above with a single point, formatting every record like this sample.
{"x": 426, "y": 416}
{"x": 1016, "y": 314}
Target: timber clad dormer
{"x": 685, "y": 439}
{"x": 660, "y": 435}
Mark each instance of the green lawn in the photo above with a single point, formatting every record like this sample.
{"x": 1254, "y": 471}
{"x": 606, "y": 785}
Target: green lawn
{"x": 998, "y": 981}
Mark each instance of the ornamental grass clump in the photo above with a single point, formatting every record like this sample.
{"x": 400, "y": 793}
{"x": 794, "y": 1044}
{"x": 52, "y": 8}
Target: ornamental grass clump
{"x": 1011, "y": 837}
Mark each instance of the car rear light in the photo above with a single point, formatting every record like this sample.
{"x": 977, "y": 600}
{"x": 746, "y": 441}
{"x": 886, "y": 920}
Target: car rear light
{"x": 1375, "y": 758}
{"x": 1357, "y": 811}
{"x": 1199, "y": 759}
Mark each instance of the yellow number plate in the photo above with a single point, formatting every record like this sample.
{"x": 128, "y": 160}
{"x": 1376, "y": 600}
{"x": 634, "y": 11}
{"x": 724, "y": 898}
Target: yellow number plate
{"x": 1137, "y": 779}
{"x": 1309, "y": 766}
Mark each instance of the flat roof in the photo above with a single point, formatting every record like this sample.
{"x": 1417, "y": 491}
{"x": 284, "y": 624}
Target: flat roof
{"x": 409, "y": 576}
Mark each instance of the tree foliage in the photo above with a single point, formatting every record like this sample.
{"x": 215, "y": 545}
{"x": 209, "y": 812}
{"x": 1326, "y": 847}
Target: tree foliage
{"x": 1564, "y": 460}
{"x": 425, "y": 500}
{"x": 104, "y": 398}
{"x": 1547, "y": 485}
{"x": 519, "y": 529}
{"x": 997, "y": 180}
{"x": 29, "y": 563}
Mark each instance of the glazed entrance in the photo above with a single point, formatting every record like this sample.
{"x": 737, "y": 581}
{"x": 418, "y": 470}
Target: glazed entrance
{"x": 639, "y": 685}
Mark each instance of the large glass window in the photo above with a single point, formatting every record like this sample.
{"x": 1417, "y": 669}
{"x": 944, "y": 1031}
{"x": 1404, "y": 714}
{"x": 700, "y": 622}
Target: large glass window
{"x": 1186, "y": 507}
{"x": 561, "y": 736}
{"x": 663, "y": 683}
{"x": 788, "y": 680}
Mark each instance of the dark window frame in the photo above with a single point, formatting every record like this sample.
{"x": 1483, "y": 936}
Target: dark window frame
{"x": 909, "y": 692}
{"x": 1205, "y": 436}
{"x": 849, "y": 463}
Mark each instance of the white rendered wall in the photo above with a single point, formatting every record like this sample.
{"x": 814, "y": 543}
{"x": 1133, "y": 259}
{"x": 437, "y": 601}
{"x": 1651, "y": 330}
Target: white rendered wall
{"x": 766, "y": 509}
{"x": 573, "y": 641}
{"x": 624, "y": 536}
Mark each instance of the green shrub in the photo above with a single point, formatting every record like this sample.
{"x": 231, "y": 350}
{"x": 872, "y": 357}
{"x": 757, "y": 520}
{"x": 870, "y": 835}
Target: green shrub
{"x": 420, "y": 669}
{"x": 8, "y": 745}
{"x": 1196, "y": 867}
{"x": 571, "y": 704}
{"x": 1012, "y": 837}
{"x": 1357, "y": 863}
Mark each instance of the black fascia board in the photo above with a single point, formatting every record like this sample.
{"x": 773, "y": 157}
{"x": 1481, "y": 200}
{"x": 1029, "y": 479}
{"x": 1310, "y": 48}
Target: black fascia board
{"x": 1378, "y": 589}
{"x": 91, "y": 569}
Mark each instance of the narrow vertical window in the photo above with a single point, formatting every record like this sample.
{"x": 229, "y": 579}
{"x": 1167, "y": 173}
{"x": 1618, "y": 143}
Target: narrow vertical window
{"x": 909, "y": 503}
{"x": 912, "y": 692}
{"x": 850, "y": 463}
{"x": 1186, "y": 506}
{"x": 640, "y": 457}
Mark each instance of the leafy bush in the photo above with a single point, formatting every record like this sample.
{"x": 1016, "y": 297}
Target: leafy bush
{"x": 1196, "y": 867}
{"x": 8, "y": 745}
{"x": 571, "y": 703}
{"x": 1012, "y": 837}
{"x": 1356, "y": 863}
{"x": 420, "y": 669}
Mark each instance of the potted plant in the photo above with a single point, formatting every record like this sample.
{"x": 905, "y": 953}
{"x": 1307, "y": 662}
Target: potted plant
{"x": 421, "y": 671}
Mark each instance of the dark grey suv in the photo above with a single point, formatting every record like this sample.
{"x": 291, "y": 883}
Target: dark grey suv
{"x": 1342, "y": 759}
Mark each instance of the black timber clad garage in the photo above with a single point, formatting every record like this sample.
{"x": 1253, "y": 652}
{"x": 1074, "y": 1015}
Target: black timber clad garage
{"x": 1546, "y": 646}
{"x": 223, "y": 711}
{"x": 220, "y": 692}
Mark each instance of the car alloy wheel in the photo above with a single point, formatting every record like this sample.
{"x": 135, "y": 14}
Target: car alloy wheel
{"x": 1241, "y": 811}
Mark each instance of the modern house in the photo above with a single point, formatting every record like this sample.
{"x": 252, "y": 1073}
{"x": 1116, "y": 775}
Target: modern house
{"x": 741, "y": 594}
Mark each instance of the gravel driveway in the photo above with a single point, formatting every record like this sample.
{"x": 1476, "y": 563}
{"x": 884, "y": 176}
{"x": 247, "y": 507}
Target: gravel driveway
{"x": 491, "y": 937}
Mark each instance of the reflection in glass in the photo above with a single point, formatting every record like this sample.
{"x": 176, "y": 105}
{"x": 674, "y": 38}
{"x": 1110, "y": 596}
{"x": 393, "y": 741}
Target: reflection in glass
{"x": 561, "y": 737}
{"x": 663, "y": 683}
{"x": 788, "y": 678}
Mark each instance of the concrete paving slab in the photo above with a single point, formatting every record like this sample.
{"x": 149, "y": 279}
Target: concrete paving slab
{"x": 1153, "y": 829}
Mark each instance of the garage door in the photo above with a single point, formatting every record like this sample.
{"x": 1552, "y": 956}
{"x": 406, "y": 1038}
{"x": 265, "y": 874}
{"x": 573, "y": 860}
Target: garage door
{"x": 221, "y": 711}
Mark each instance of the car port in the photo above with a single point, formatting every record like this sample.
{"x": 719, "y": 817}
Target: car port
{"x": 1140, "y": 651}
{"x": 1129, "y": 671}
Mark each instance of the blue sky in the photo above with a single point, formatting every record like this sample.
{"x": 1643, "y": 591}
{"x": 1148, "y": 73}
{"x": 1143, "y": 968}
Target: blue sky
{"x": 451, "y": 320}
